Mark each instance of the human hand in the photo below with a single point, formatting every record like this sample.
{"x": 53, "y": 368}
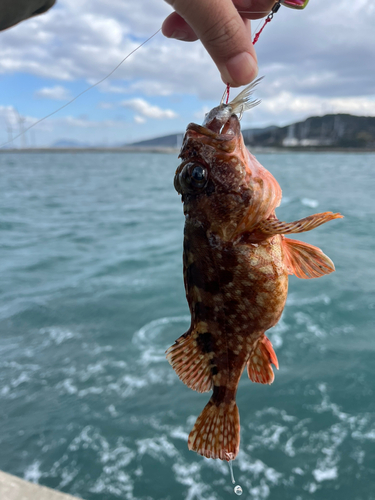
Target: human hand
{"x": 224, "y": 29}
{"x": 15, "y": 11}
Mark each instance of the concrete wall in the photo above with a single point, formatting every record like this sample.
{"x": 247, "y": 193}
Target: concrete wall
{"x": 14, "y": 488}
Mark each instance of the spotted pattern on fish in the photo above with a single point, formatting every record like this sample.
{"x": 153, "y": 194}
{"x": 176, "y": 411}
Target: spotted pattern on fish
{"x": 236, "y": 265}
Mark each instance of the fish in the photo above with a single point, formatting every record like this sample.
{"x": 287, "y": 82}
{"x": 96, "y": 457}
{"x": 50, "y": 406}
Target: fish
{"x": 236, "y": 261}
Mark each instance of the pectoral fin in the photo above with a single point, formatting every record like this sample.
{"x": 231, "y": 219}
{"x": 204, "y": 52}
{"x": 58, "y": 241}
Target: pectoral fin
{"x": 275, "y": 226}
{"x": 304, "y": 260}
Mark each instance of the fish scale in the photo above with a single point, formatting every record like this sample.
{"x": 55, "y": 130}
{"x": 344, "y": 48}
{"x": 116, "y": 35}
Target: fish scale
{"x": 236, "y": 266}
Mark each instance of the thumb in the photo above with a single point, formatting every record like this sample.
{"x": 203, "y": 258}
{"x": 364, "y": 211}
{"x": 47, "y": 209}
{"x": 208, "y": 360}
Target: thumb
{"x": 224, "y": 34}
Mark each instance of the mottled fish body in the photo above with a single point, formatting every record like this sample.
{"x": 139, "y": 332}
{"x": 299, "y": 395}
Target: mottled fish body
{"x": 236, "y": 265}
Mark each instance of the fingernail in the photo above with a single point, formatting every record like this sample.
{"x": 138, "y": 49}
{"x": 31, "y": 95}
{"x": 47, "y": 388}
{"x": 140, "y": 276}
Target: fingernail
{"x": 179, "y": 35}
{"x": 240, "y": 69}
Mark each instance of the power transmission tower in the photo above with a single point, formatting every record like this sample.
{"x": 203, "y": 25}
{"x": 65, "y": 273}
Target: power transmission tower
{"x": 10, "y": 134}
{"x": 21, "y": 122}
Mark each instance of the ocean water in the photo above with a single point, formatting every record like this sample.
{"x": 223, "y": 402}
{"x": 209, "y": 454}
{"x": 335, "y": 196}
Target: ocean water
{"x": 91, "y": 295}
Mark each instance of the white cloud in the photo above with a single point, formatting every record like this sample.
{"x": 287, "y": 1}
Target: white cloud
{"x": 106, "y": 105}
{"x": 146, "y": 87}
{"x": 144, "y": 108}
{"x": 286, "y": 108}
{"x": 285, "y": 102}
{"x": 316, "y": 61}
{"x": 11, "y": 116}
{"x": 106, "y": 87}
{"x": 325, "y": 49}
{"x": 58, "y": 93}
{"x": 139, "y": 119}
{"x": 73, "y": 121}
{"x": 8, "y": 115}
{"x": 199, "y": 115}
{"x": 88, "y": 39}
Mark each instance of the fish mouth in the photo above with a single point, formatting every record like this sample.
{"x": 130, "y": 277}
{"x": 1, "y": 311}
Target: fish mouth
{"x": 218, "y": 130}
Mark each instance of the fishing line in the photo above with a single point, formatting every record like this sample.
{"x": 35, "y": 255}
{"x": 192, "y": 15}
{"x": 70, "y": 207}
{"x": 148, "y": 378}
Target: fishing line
{"x": 268, "y": 19}
{"x": 256, "y": 29}
{"x": 83, "y": 92}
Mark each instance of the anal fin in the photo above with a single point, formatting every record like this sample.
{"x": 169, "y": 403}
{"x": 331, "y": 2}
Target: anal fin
{"x": 191, "y": 366}
{"x": 305, "y": 260}
{"x": 259, "y": 366}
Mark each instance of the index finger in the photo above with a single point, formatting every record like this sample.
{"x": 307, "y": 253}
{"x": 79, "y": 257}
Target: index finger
{"x": 254, "y": 9}
{"x": 224, "y": 34}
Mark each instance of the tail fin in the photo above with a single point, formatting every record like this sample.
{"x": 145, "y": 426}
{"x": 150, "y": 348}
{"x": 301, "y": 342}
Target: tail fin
{"x": 216, "y": 433}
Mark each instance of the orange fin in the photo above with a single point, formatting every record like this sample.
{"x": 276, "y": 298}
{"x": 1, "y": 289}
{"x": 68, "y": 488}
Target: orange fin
{"x": 275, "y": 226}
{"x": 216, "y": 433}
{"x": 259, "y": 366}
{"x": 306, "y": 261}
{"x": 191, "y": 366}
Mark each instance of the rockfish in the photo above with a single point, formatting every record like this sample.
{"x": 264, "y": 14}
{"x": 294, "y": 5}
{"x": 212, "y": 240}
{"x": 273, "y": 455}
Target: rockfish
{"x": 236, "y": 264}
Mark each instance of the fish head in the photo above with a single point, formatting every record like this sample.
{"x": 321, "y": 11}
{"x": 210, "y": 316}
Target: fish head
{"x": 224, "y": 188}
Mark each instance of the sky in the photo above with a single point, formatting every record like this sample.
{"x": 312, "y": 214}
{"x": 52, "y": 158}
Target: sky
{"x": 316, "y": 61}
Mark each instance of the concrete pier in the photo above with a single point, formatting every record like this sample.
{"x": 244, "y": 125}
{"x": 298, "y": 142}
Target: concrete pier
{"x": 14, "y": 488}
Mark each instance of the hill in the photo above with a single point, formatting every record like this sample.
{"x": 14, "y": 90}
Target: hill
{"x": 329, "y": 131}
{"x": 336, "y": 131}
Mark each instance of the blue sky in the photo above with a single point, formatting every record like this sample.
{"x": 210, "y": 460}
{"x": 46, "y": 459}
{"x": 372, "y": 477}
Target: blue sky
{"x": 314, "y": 61}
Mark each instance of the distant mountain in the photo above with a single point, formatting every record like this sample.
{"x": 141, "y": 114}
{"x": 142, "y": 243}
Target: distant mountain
{"x": 329, "y": 131}
{"x": 336, "y": 131}
{"x": 251, "y": 133}
{"x": 175, "y": 140}
{"x": 166, "y": 141}
{"x": 70, "y": 144}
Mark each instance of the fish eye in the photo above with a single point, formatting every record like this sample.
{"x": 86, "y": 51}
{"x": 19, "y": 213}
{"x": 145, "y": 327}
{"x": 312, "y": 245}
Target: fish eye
{"x": 198, "y": 174}
{"x": 193, "y": 177}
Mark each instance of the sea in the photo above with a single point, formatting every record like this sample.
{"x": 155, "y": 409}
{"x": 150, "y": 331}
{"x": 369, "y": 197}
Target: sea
{"x": 91, "y": 296}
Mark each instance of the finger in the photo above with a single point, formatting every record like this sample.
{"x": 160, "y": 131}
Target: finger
{"x": 176, "y": 27}
{"x": 254, "y": 9}
{"x": 225, "y": 35}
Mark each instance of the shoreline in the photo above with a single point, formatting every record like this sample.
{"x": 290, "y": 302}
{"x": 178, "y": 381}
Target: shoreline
{"x": 170, "y": 150}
